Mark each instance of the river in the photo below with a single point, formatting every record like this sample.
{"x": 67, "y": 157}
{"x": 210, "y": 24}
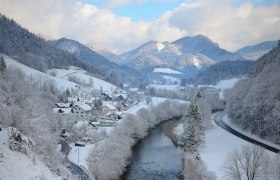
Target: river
{"x": 156, "y": 157}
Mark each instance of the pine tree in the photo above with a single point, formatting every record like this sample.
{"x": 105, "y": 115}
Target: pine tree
{"x": 193, "y": 135}
{"x": 3, "y": 65}
{"x": 67, "y": 93}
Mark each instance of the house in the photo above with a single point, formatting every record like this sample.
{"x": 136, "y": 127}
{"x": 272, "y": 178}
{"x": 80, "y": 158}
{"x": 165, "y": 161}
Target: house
{"x": 120, "y": 97}
{"x": 91, "y": 101}
{"x": 81, "y": 109}
{"x": 106, "y": 96}
{"x": 63, "y": 105}
{"x": 108, "y": 109}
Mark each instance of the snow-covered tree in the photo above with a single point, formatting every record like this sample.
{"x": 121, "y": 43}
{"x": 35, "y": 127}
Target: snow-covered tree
{"x": 3, "y": 65}
{"x": 193, "y": 135}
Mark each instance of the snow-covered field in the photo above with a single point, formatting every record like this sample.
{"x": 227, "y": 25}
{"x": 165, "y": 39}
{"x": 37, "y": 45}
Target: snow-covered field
{"x": 81, "y": 75}
{"x": 38, "y": 75}
{"x": 18, "y": 166}
{"x": 219, "y": 143}
{"x": 167, "y": 87}
{"x": 167, "y": 71}
{"x": 61, "y": 79}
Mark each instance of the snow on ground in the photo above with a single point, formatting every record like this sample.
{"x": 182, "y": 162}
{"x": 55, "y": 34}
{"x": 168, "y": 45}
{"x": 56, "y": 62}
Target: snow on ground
{"x": 18, "y": 166}
{"x": 79, "y": 155}
{"x": 227, "y": 120}
{"x": 171, "y": 79}
{"x": 143, "y": 104}
{"x": 167, "y": 87}
{"x": 219, "y": 143}
{"x": 225, "y": 84}
{"x": 167, "y": 71}
{"x": 81, "y": 75}
{"x": 106, "y": 129}
{"x": 38, "y": 75}
{"x": 178, "y": 130}
{"x": 61, "y": 79}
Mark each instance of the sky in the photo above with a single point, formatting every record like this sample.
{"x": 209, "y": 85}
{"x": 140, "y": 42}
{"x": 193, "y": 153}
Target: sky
{"x": 122, "y": 25}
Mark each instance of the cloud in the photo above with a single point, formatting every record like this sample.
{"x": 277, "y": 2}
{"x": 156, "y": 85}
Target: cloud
{"x": 232, "y": 27}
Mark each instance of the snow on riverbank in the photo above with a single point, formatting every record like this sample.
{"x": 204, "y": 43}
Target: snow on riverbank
{"x": 17, "y": 166}
{"x": 219, "y": 143}
{"x": 227, "y": 120}
{"x": 79, "y": 155}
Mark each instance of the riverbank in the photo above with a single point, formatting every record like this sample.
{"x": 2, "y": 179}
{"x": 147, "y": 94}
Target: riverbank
{"x": 110, "y": 158}
{"x": 155, "y": 156}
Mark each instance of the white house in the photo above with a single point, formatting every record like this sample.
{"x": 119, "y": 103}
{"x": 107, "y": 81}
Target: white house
{"x": 81, "y": 110}
{"x": 108, "y": 109}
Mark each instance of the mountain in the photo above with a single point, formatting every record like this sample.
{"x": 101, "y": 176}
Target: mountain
{"x": 188, "y": 52}
{"x": 100, "y": 65}
{"x": 157, "y": 54}
{"x": 105, "y": 52}
{"x": 253, "y": 104}
{"x": 203, "y": 45}
{"x": 256, "y": 51}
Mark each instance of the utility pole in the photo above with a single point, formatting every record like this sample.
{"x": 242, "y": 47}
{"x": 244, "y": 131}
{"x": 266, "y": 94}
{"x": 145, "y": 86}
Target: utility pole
{"x": 78, "y": 156}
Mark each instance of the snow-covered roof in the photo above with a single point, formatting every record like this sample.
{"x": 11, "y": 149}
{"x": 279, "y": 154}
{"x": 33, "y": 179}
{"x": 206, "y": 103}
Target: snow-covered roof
{"x": 121, "y": 94}
{"x": 109, "y": 106}
{"x": 140, "y": 93}
{"x": 119, "y": 113}
{"x": 133, "y": 89}
{"x": 83, "y": 106}
{"x": 63, "y": 105}
{"x": 91, "y": 100}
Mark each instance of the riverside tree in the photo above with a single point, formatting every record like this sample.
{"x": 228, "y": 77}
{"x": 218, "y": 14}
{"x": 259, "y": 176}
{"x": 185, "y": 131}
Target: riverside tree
{"x": 3, "y": 65}
{"x": 193, "y": 135}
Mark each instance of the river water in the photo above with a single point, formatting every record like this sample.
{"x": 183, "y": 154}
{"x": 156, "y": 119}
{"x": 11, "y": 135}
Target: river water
{"x": 156, "y": 157}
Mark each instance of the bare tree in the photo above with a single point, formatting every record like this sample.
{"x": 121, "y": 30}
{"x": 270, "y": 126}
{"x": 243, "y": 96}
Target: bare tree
{"x": 250, "y": 163}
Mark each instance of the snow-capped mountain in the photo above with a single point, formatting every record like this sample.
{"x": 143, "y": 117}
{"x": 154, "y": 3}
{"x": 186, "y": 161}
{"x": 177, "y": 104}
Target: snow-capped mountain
{"x": 197, "y": 51}
{"x": 103, "y": 66}
{"x": 105, "y": 52}
{"x": 155, "y": 53}
{"x": 254, "y": 52}
{"x": 203, "y": 45}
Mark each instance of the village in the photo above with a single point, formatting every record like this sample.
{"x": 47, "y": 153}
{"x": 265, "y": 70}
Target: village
{"x": 92, "y": 118}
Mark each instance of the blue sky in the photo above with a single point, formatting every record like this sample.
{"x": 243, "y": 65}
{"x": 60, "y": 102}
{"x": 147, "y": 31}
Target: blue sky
{"x": 152, "y": 9}
{"x": 145, "y": 10}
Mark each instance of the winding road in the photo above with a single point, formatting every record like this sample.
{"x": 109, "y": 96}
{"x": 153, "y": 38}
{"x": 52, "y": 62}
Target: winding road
{"x": 76, "y": 170}
{"x": 218, "y": 118}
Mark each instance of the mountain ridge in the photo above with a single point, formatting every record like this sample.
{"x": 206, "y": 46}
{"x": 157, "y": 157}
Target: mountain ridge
{"x": 187, "y": 52}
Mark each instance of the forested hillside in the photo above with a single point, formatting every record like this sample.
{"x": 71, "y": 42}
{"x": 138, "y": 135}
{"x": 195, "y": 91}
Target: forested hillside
{"x": 25, "y": 108}
{"x": 254, "y": 103}
{"x": 220, "y": 71}
{"x": 30, "y": 49}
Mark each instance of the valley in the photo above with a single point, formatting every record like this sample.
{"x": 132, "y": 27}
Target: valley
{"x": 173, "y": 106}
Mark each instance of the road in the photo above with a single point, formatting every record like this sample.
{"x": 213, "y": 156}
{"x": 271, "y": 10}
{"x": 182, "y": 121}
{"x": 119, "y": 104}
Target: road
{"x": 219, "y": 121}
{"x": 76, "y": 170}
